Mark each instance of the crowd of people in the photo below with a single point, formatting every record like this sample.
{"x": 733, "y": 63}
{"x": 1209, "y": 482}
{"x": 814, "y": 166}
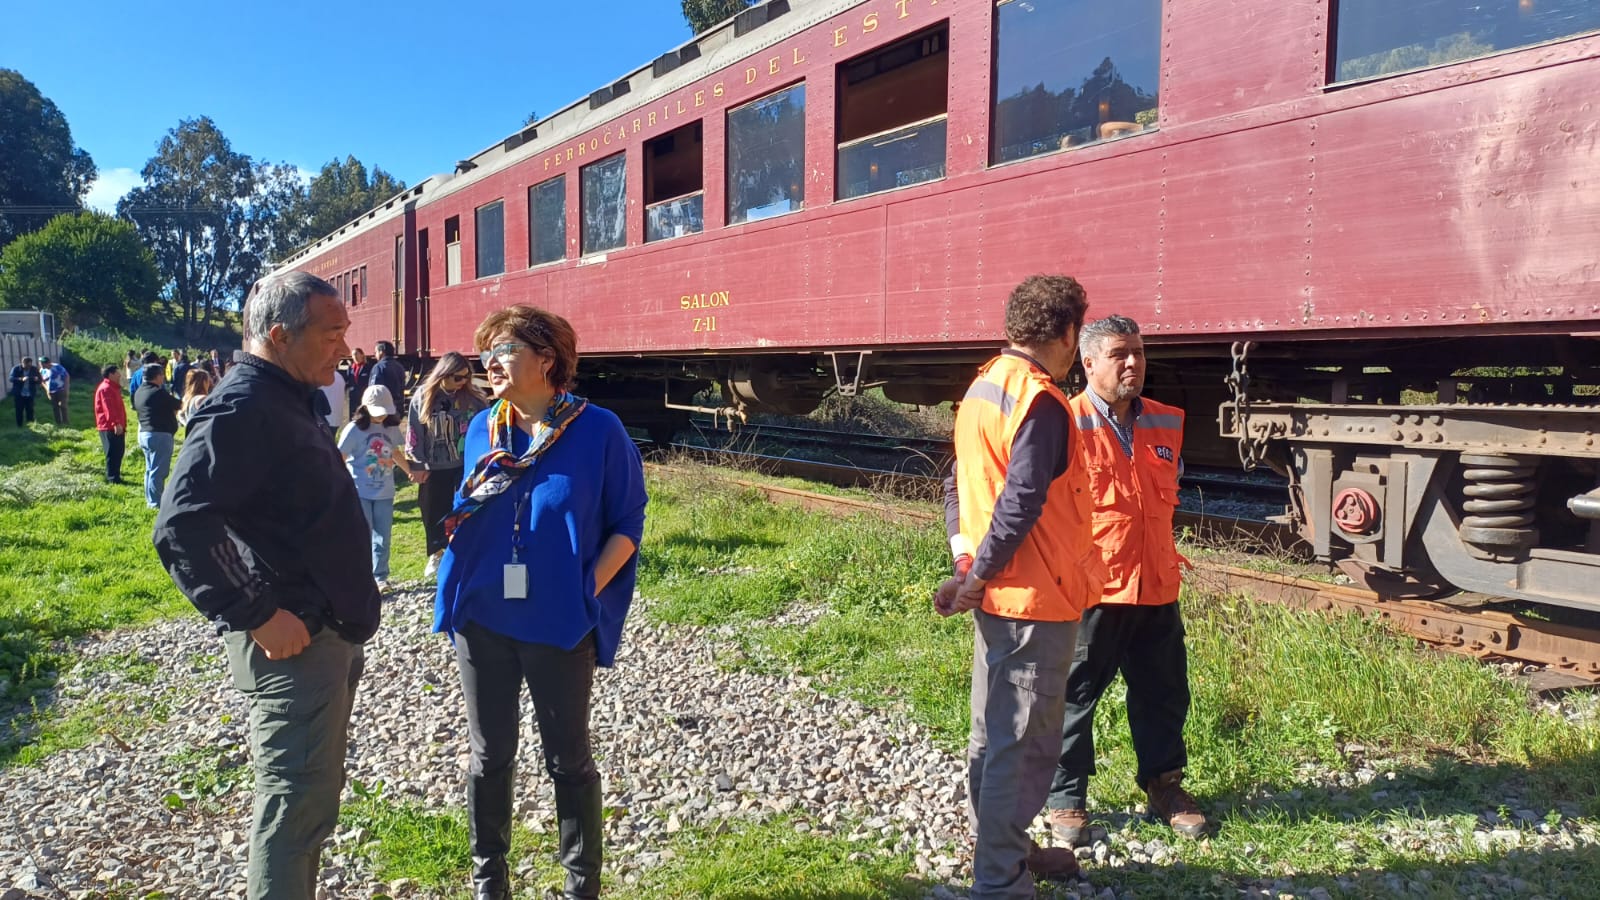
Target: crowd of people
{"x": 1058, "y": 512}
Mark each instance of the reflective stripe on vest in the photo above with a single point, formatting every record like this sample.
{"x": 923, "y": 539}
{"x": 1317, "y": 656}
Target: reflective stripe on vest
{"x": 1057, "y": 571}
{"x": 1134, "y": 500}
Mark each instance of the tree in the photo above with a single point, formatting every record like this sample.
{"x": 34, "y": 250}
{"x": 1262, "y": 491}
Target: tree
{"x": 87, "y": 268}
{"x": 41, "y": 173}
{"x": 343, "y": 191}
{"x": 198, "y": 211}
{"x": 531, "y": 119}
{"x": 702, "y": 14}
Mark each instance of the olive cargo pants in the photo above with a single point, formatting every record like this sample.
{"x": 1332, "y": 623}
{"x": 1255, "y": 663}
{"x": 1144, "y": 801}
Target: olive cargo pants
{"x": 299, "y": 729}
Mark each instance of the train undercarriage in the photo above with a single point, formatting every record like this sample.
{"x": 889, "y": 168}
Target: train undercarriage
{"x": 1421, "y": 468}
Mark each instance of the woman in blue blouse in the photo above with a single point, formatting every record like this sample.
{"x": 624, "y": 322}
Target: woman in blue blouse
{"x": 535, "y": 583}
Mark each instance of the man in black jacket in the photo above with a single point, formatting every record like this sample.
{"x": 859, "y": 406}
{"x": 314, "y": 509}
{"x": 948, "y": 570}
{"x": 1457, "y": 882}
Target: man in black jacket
{"x": 180, "y": 374}
{"x": 389, "y": 373}
{"x": 263, "y": 532}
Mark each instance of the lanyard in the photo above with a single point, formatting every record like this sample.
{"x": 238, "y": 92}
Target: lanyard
{"x": 524, "y": 501}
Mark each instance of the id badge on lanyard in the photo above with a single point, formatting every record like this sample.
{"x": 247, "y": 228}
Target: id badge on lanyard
{"x": 516, "y": 572}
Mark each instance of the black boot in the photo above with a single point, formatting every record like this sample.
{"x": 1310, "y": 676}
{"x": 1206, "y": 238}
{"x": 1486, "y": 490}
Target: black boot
{"x": 578, "y": 812}
{"x": 489, "y": 826}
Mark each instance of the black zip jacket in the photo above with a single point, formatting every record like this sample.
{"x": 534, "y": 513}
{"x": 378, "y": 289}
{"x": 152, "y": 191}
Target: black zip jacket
{"x": 261, "y": 514}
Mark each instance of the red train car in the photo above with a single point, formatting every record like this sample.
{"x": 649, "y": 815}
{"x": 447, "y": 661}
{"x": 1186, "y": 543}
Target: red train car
{"x": 1366, "y": 234}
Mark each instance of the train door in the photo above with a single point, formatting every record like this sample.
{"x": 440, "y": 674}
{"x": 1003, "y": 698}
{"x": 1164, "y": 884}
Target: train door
{"x": 397, "y": 297}
{"x": 424, "y": 288}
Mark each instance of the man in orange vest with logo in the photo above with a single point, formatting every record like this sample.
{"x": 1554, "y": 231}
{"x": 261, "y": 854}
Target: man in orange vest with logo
{"x": 1133, "y": 446}
{"x": 1018, "y": 512}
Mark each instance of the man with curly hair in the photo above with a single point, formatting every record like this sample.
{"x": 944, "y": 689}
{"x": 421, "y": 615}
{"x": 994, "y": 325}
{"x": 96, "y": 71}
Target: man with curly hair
{"x": 1018, "y": 513}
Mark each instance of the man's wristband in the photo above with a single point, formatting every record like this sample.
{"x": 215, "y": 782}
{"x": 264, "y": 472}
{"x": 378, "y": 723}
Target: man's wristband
{"x": 963, "y": 565}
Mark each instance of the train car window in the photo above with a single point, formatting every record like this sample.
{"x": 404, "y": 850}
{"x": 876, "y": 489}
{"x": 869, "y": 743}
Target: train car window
{"x": 490, "y": 241}
{"x": 767, "y": 156}
{"x": 354, "y": 286}
{"x": 892, "y": 110}
{"x": 1069, "y": 73}
{"x": 363, "y": 282}
{"x": 1373, "y": 38}
{"x": 605, "y": 204}
{"x": 452, "y": 250}
{"x": 547, "y": 221}
{"x": 674, "y": 183}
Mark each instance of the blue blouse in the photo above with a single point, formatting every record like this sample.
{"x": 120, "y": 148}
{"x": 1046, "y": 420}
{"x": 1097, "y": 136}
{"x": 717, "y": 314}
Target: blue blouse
{"x": 588, "y": 486}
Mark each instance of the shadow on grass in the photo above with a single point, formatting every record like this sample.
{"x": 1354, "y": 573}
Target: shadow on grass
{"x": 717, "y": 545}
{"x": 1511, "y": 873}
{"x": 1443, "y": 785}
{"x": 29, "y": 444}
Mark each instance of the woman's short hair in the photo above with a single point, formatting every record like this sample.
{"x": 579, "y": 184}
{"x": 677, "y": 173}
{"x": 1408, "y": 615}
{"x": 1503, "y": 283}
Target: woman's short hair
{"x": 545, "y": 332}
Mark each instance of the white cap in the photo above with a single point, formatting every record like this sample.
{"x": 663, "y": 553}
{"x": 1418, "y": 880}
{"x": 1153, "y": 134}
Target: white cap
{"x": 378, "y": 402}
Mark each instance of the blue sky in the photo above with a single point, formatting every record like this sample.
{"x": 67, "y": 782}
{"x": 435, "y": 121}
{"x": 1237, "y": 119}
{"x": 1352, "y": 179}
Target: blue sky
{"x": 406, "y": 85}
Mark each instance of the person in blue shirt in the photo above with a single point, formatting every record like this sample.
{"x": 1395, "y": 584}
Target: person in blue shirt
{"x": 535, "y": 583}
{"x": 56, "y": 381}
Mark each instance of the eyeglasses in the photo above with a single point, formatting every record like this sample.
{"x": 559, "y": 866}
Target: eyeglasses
{"x": 502, "y": 352}
{"x": 457, "y": 377}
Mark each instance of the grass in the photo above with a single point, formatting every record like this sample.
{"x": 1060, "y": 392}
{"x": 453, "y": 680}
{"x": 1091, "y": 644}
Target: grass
{"x": 75, "y": 557}
{"x": 1281, "y": 699}
{"x": 775, "y": 860}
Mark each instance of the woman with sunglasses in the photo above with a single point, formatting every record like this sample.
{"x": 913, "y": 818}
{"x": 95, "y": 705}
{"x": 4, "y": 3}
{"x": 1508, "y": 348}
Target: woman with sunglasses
{"x": 535, "y": 584}
{"x": 436, "y": 428}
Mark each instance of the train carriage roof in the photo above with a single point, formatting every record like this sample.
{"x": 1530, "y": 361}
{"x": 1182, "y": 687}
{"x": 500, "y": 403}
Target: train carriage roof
{"x": 717, "y": 48}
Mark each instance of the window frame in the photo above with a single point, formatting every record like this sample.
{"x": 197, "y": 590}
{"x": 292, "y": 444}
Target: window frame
{"x": 727, "y": 148}
{"x": 478, "y": 243}
{"x": 583, "y": 249}
{"x": 557, "y": 179}
{"x": 994, "y": 99}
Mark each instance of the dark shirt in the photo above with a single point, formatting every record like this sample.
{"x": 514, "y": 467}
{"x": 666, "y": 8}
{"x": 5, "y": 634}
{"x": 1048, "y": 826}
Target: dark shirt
{"x": 180, "y": 375}
{"x": 1038, "y": 457}
{"x": 157, "y": 409}
{"x": 261, "y": 515}
{"x": 389, "y": 373}
{"x": 26, "y": 381}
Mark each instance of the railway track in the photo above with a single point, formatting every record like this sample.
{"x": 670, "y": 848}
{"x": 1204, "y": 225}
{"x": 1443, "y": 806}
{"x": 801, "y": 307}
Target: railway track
{"x": 1565, "y": 656}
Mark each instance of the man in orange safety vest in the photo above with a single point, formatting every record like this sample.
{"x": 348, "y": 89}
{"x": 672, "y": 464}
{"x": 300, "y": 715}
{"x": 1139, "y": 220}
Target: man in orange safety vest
{"x": 1133, "y": 447}
{"x": 1017, "y": 511}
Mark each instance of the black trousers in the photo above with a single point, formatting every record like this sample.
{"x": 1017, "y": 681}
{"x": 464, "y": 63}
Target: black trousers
{"x": 494, "y": 668}
{"x": 1145, "y": 644}
{"x": 24, "y": 408}
{"x": 435, "y": 498}
{"x": 114, "y": 445}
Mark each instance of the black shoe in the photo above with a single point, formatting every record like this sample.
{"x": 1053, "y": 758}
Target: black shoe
{"x": 578, "y": 814}
{"x": 489, "y": 833}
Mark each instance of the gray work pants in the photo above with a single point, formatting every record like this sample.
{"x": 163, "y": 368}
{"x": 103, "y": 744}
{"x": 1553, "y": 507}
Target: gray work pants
{"x": 299, "y": 729}
{"x": 1019, "y": 685}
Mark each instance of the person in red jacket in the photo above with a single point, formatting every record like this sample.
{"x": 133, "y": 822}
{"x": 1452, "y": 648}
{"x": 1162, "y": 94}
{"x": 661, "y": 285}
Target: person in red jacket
{"x": 111, "y": 420}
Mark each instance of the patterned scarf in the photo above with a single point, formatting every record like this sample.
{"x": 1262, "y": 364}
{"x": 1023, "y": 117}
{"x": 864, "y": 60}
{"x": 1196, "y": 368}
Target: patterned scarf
{"x": 499, "y": 469}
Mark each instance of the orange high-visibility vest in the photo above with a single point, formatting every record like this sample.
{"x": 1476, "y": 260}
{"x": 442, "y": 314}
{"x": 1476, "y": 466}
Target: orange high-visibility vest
{"x": 1134, "y": 500}
{"x": 1057, "y": 570}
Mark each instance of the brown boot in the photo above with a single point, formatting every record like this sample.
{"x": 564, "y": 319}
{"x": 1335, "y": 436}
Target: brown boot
{"x": 1170, "y": 803}
{"x": 1053, "y": 863}
{"x": 1070, "y": 826}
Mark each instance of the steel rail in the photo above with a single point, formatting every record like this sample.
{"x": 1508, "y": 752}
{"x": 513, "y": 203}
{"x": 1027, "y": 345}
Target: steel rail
{"x": 1570, "y": 652}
